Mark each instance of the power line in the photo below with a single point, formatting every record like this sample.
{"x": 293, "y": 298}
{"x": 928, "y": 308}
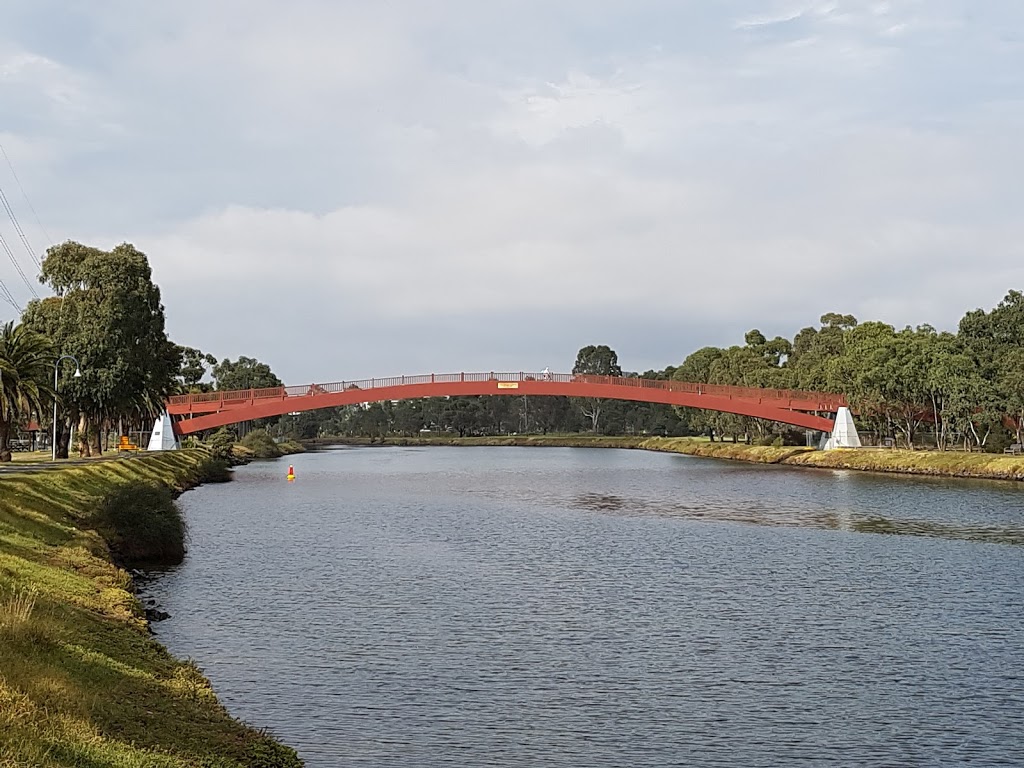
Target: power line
{"x": 18, "y": 229}
{"x": 24, "y": 194}
{"x": 17, "y": 266}
{"x": 6, "y": 296}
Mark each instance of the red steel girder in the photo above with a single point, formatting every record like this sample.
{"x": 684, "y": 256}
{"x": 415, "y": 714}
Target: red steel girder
{"x": 204, "y": 411}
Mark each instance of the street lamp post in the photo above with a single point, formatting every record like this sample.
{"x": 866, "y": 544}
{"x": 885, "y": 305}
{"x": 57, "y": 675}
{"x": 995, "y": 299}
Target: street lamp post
{"x": 78, "y": 375}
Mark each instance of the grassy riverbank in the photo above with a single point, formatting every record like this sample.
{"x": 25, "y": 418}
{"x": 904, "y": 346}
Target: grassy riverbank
{"x": 260, "y": 445}
{"x": 540, "y": 441}
{"x": 937, "y": 463}
{"x": 81, "y": 681}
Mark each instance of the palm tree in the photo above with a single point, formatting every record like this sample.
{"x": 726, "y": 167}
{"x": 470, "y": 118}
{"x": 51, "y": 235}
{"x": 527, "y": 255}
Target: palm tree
{"x": 26, "y": 360}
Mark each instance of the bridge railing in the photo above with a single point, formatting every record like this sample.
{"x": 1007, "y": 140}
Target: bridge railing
{"x": 825, "y": 401}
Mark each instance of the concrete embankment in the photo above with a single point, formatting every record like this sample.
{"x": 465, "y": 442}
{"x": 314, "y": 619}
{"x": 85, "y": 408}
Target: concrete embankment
{"x": 81, "y": 680}
{"x": 985, "y": 466}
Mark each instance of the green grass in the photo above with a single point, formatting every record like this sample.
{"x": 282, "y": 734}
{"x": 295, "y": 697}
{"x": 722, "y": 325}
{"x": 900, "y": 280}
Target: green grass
{"x": 289, "y": 447}
{"x": 937, "y": 463}
{"x": 81, "y": 681}
{"x": 142, "y": 525}
{"x": 940, "y": 463}
{"x": 30, "y": 457}
{"x": 260, "y": 445}
{"x": 35, "y": 457}
{"x": 550, "y": 441}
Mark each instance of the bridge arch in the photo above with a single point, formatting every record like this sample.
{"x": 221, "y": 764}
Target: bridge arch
{"x": 209, "y": 410}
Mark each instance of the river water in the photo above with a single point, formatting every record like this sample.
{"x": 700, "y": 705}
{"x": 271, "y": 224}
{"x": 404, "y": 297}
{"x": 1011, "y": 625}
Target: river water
{"x": 580, "y": 607}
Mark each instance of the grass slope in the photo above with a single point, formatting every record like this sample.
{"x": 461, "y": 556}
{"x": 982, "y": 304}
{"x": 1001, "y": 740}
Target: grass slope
{"x": 938, "y": 463}
{"x": 541, "y": 441}
{"x": 81, "y": 681}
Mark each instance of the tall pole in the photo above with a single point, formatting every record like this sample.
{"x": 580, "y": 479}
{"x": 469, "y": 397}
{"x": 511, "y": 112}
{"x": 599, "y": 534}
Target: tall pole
{"x": 53, "y": 457}
{"x": 78, "y": 373}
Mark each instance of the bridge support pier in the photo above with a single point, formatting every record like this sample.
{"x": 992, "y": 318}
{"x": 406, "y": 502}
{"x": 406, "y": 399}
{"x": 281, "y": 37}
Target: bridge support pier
{"x": 163, "y": 437}
{"x": 844, "y": 433}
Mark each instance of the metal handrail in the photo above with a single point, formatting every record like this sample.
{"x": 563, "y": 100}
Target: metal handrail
{"x": 239, "y": 396}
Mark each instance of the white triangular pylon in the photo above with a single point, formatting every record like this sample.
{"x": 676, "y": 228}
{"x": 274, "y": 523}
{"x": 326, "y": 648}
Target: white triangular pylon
{"x": 844, "y": 433}
{"x": 163, "y": 438}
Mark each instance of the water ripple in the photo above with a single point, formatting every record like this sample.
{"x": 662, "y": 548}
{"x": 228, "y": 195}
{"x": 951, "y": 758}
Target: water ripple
{"x": 518, "y": 607}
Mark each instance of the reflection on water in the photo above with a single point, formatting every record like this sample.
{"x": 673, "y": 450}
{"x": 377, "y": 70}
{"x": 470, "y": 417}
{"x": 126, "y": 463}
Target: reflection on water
{"x": 802, "y": 518}
{"x": 597, "y": 609}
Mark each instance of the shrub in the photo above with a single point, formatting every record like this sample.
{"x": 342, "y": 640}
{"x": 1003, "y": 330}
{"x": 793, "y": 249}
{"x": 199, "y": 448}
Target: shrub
{"x": 262, "y": 445}
{"x": 143, "y": 525}
{"x": 213, "y": 470}
{"x": 1000, "y": 439}
{"x": 289, "y": 447}
{"x": 264, "y": 752}
{"x": 221, "y": 443}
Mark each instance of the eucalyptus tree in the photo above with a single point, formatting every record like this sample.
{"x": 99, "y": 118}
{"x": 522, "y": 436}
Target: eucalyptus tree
{"x": 107, "y": 313}
{"x": 595, "y": 360}
{"x": 1001, "y": 327}
{"x": 696, "y": 369}
{"x": 1011, "y": 388}
{"x": 195, "y": 365}
{"x": 995, "y": 339}
{"x": 26, "y": 363}
{"x": 854, "y": 373}
{"x": 741, "y": 367}
{"x": 814, "y": 348}
{"x": 244, "y": 373}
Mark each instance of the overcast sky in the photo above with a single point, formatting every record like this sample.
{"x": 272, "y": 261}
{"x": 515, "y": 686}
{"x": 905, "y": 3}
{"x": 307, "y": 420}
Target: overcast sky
{"x": 346, "y": 189}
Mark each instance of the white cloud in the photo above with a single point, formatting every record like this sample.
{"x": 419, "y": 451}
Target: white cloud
{"x": 37, "y": 89}
{"x": 460, "y": 184}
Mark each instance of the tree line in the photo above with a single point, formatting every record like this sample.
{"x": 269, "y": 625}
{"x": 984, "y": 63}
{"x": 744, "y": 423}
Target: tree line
{"x": 103, "y": 330}
{"x": 494, "y": 415}
{"x": 913, "y": 385}
{"x": 916, "y": 385}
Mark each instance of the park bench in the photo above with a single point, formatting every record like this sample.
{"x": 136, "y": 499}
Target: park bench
{"x": 1015, "y": 449}
{"x": 125, "y": 444}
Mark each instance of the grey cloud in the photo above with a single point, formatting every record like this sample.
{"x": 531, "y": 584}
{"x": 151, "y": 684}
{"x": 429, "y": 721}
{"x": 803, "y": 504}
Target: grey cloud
{"x": 349, "y": 189}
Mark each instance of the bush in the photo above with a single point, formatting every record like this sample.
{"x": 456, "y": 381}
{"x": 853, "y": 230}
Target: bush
{"x": 262, "y": 445}
{"x": 212, "y": 470}
{"x": 1000, "y": 439}
{"x": 264, "y": 752}
{"x": 143, "y": 525}
{"x": 289, "y": 447}
{"x": 221, "y": 443}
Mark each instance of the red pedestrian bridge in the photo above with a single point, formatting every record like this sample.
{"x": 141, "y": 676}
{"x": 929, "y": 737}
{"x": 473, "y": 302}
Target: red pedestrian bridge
{"x": 210, "y": 410}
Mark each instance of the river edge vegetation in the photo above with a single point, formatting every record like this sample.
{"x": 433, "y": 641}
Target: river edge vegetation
{"x": 983, "y": 466}
{"x": 82, "y": 682}
{"x": 917, "y": 387}
{"x": 102, "y": 334}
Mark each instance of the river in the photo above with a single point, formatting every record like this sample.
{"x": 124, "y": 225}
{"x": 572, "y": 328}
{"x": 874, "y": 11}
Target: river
{"x": 586, "y": 607}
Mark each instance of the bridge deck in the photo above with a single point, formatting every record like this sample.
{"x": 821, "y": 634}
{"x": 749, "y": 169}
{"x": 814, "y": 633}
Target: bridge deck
{"x": 213, "y": 409}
